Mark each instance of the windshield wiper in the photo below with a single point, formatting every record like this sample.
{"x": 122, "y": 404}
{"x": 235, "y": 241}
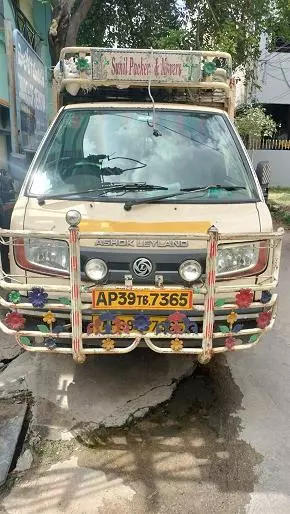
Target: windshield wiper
{"x": 118, "y": 187}
{"x": 129, "y": 204}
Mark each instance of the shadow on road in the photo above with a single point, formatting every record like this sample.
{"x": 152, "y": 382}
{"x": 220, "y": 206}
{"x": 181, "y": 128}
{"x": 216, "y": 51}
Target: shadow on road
{"x": 184, "y": 456}
{"x": 184, "y": 449}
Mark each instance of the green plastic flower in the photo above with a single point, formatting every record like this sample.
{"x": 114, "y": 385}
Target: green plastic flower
{"x": 209, "y": 68}
{"x": 14, "y": 297}
{"x": 82, "y": 64}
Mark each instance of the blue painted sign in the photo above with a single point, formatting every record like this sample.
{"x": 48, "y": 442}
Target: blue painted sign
{"x": 31, "y": 102}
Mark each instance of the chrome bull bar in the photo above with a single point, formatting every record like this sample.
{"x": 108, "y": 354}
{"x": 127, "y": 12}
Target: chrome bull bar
{"x": 210, "y": 289}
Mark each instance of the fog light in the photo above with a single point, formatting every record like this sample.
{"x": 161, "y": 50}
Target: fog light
{"x": 96, "y": 269}
{"x": 73, "y": 218}
{"x": 190, "y": 271}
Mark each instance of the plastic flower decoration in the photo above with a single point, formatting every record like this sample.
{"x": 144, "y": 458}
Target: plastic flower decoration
{"x": 230, "y": 343}
{"x": 141, "y": 322}
{"x": 49, "y": 318}
{"x": 176, "y": 316}
{"x": 38, "y": 297}
{"x": 244, "y": 298}
{"x": 264, "y": 319}
{"x": 209, "y": 68}
{"x": 190, "y": 326}
{"x": 232, "y": 318}
{"x": 82, "y": 64}
{"x": 108, "y": 344}
{"x": 176, "y": 345}
{"x": 14, "y": 320}
{"x": 50, "y": 343}
{"x": 266, "y": 296}
{"x": 14, "y": 297}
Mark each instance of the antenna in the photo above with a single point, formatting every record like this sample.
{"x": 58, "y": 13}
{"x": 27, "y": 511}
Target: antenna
{"x": 155, "y": 130}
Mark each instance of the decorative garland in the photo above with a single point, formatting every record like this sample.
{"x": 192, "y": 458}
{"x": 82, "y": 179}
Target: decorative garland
{"x": 108, "y": 323}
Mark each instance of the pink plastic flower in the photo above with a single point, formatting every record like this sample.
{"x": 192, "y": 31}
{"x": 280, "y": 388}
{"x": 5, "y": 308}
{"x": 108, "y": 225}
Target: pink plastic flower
{"x": 230, "y": 343}
{"x": 176, "y": 316}
{"x": 264, "y": 319}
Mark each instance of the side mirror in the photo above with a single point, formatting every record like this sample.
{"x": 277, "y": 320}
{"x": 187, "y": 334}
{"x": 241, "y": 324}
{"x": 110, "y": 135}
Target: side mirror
{"x": 263, "y": 171}
{"x": 18, "y": 166}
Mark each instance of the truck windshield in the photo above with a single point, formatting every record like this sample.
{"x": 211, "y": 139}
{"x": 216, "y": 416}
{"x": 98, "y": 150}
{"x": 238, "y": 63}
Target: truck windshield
{"x": 92, "y": 153}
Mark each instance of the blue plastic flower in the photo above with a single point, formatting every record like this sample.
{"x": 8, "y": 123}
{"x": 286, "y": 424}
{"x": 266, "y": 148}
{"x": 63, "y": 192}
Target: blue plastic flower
{"x": 50, "y": 343}
{"x": 266, "y": 296}
{"x": 190, "y": 326}
{"x": 38, "y": 297}
{"x": 141, "y": 322}
{"x": 162, "y": 327}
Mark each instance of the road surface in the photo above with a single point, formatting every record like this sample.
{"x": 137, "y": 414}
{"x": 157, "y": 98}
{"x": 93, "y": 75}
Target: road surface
{"x": 214, "y": 439}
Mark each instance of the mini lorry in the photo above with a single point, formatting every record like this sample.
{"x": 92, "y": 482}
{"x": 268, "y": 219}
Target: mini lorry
{"x": 141, "y": 221}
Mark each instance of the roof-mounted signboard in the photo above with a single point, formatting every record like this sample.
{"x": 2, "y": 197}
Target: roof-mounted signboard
{"x": 142, "y": 65}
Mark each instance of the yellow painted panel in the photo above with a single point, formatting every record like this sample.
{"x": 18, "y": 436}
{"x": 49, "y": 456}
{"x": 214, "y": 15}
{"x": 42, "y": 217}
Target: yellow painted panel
{"x": 137, "y": 227}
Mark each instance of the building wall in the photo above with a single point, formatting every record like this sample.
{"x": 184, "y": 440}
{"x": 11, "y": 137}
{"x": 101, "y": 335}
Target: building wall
{"x": 4, "y": 94}
{"x": 41, "y": 16}
{"x": 38, "y": 14}
{"x": 26, "y": 7}
{"x": 273, "y": 77}
{"x": 280, "y": 165}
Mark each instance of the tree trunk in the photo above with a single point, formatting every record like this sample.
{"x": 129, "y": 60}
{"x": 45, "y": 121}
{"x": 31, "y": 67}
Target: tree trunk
{"x": 75, "y": 22}
{"x": 58, "y": 29}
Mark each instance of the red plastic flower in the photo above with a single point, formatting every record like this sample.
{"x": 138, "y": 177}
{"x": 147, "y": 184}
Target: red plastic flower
{"x": 120, "y": 326}
{"x": 14, "y": 320}
{"x": 264, "y": 319}
{"x": 244, "y": 298}
{"x": 176, "y": 328}
{"x": 176, "y": 316}
{"x": 230, "y": 343}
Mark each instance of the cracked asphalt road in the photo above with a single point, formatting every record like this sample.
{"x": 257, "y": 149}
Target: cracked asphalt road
{"x": 210, "y": 441}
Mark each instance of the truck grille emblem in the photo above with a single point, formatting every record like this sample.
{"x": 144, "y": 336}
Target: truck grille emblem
{"x": 142, "y": 267}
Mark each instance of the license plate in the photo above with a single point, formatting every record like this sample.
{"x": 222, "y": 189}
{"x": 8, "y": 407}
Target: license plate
{"x": 145, "y": 299}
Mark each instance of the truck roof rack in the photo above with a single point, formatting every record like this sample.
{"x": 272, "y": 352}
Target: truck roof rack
{"x": 204, "y": 77}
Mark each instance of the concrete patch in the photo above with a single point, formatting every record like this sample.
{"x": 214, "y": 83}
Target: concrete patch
{"x": 25, "y": 461}
{"x": 9, "y": 348}
{"x": 65, "y": 488}
{"x": 184, "y": 457}
{"x": 107, "y": 390}
{"x": 11, "y": 420}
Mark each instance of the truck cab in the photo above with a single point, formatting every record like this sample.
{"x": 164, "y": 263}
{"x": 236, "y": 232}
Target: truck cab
{"x": 141, "y": 220}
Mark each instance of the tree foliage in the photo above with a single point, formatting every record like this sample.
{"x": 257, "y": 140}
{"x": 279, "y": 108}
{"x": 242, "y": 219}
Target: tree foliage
{"x": 129, "y": 23}
{"x": 234, "y": 26}
{"x": 253, "y": 121}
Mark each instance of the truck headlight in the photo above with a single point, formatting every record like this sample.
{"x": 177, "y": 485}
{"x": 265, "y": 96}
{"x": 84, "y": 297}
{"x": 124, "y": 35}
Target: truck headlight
{"x": 247, "y": 259}
{"x": 44, "y": 256}
{"x": 96, "y": 269}
{"x": 190, "y": 270}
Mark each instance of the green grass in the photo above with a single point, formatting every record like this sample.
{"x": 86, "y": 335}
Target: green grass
{"x": 280, "y": 195}
{"x": 279, "y": 203}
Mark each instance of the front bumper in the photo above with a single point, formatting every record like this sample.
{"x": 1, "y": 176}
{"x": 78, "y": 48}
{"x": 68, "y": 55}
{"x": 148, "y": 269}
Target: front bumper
{"x": 213, "y": 326}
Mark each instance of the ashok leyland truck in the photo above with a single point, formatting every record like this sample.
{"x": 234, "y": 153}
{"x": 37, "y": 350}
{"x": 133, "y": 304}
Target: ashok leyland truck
{"x": 141, "y": 221}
